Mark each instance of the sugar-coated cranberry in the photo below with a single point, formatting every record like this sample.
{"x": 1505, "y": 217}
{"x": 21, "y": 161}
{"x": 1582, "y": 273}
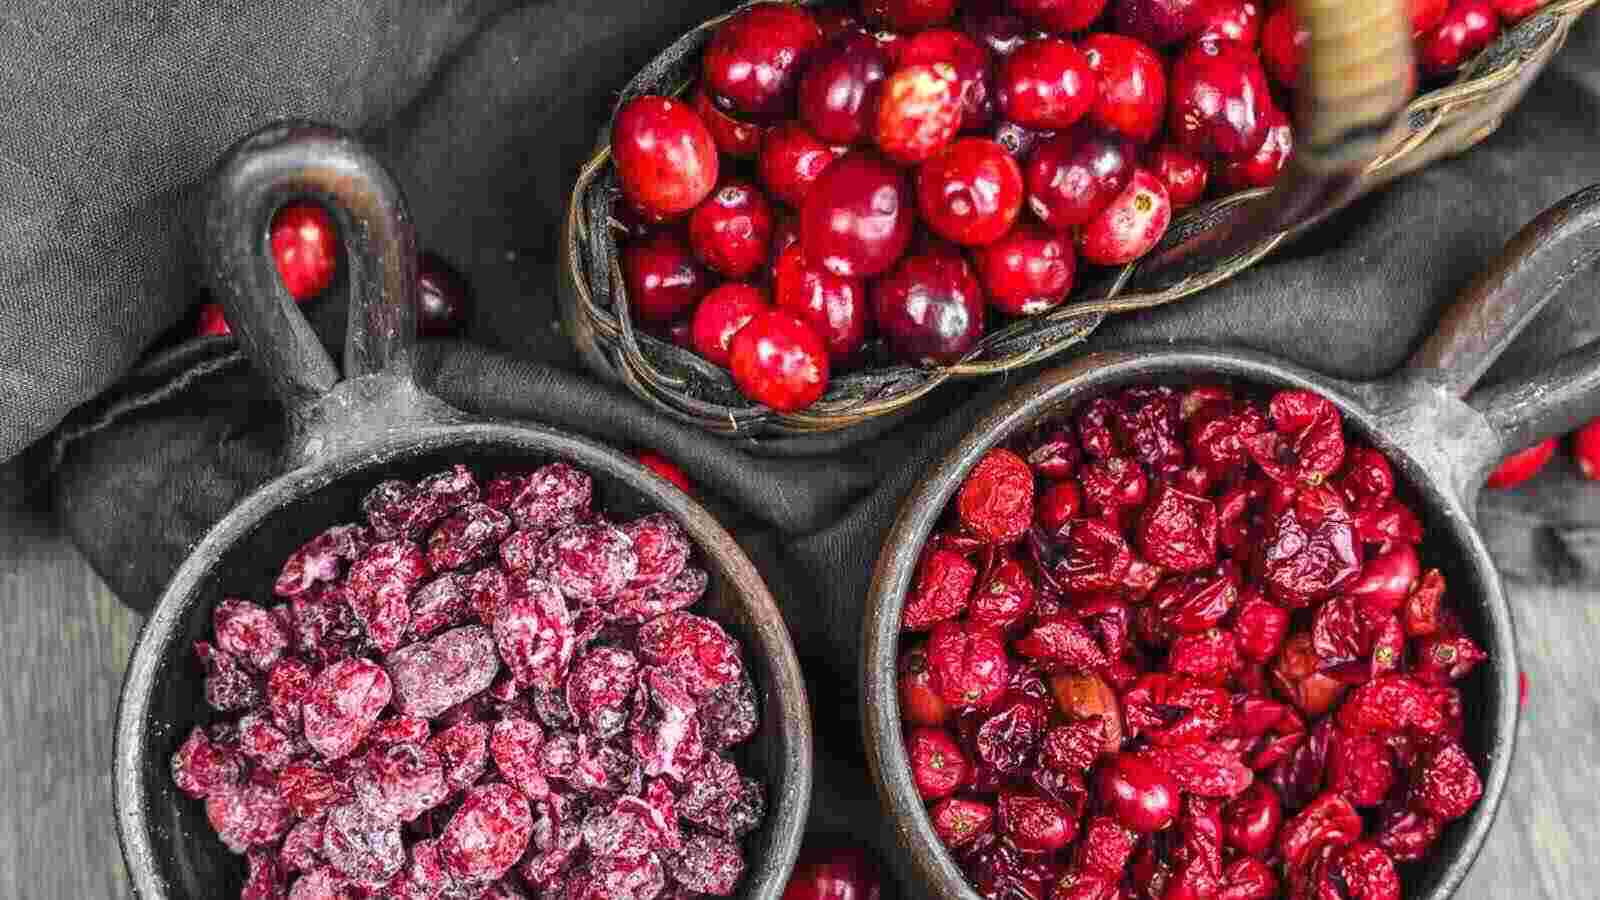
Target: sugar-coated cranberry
{"x": 1231, "y": 20}
{"x": 1132, "y": 85}
{"x": 839, "y": 90}
{"x": 1511, "y": 11}
{"x": 1219, "y": 99}
{"x": 1130, "y": 224}
{"x": 972, "y": 65}
{"x": 730, "y": 231}
{"x": 1283, "y": 44}
{"x": 305, "y": 247}
{"x": 663, "y": 278}
{"x": 1046, "y": 83}
{"x": 721, "y": 315}
{"x": 792, "y": 159}
{"x": 740, "y": 140}
{"x": 1261, "y": 168}
{"x": 930, "y": 308}
{"x": 834, "y": 872}
{"x": 920, "y": 112}
{"x": 833, "y": 306}
{"x": 1028, "y": 271}
{"x": 1075, "y": 175}
{"x": 1586, "y": 450}
{"x": 937, "y": 764}
{"x": 665, "y": 156}
{"x": 755, "y": 58}
{"x": 1184, "y": 174}
{"x": 1061, "y": 16}
{"x": 1142, "y": 796}
{"x": 970, "y": 192}
{"x": 443, "y": 298}
{"x": 1467, "y": 27}
{"x": 857, "y": 221}
{"x": 1522, "y": 465}
{"x": 909, "y": 15}
{"x": 666, "y": 468}
{"x": 779, "y": 361}
{"x": 1160, "y": 23}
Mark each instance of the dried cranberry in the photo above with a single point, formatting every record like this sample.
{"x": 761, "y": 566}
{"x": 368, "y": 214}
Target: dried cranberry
{"x": 1309, "y": 550}
{"x": 533, "y": 629}
{"x": 1006, "y": 597}
{"x": 941, "y": 590}
{"x": 970, "y": 664}
{"x": 718, "y": 799}
{"x": 200, "y": 767}
{"x": 1329, "y": 821}
{"x": 1141, "y": 794}
{"x": 429, "y": 677}
{"x": 248, "y": 814}
{"x": 1097, "y": 557}
{"x": 344, "y": 703}
{"x": 468, "y": 535}
{"x": 487, "y": 834}
{"x": 921, "y": 702}
{"x": 1250, "y": 821}
{"x": 1445, "y": 783}
{"x": 1033, "y": 822}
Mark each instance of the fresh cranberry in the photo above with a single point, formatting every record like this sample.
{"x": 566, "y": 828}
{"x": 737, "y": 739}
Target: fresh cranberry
{"x": 972, "y": 65}
{"x": 663, "y": 278}
{"x": 779, "y": 361}
{"x": 1219, "y": 100}
{"x": 740, "y": 140}
{"x": 665, "y": 156}
{"x": 842, "y": 872}
{"x": 1046, "y": 83}
{"x": 721, "y": 315}
{"x": 1283, "y": 45}
{"x": 1231, "y": 20}
{"x": 1160, "y": 23}
{"x": 1129, "y": 225}
{"x": 834, "y": 307}
{"x": 1142, "y": 796}
{"x": 1522, "y": 465}
{"x": 1062, "y": 16}
{"x": 1074, "y": 176}
{"x": 305, "y": 247}
{"x": 732, "y": 229}
{"x": 1184, "y": 174}
{"x": 1028, "y": 271}
{"x": 1511, "y": 11}
{"x": 909, "y": 15}
{"x": 213, "y": 321}
{"x": 1261, "y": 168}
{"x": 1132, "y": 86}
{"x": 930, "y": 308}
{"x": 971, "y": 192}
{"x": 920, "y": 702}
{"x": 792, "y": 160}
{"x": 857, "y": 220}
{"x": 995, "y": 25}
{"x": 1427, "y": 13}
{"x": 1467, "y": 27}
{"x": 920, "y": 112}
{"x": 755, "y": 58}
{"x": 442, "y": 297}
{"x": 666, "y": 468}
{"x": 1586, "y": 450}
{"x": 839, "y": 91}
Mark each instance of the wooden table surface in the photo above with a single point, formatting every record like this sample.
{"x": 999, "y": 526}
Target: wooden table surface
{"x": 66, "y": 641}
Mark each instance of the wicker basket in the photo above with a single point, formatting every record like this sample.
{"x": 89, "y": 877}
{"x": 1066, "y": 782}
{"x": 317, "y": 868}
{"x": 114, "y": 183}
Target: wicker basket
{"x": 1328, "y": 171}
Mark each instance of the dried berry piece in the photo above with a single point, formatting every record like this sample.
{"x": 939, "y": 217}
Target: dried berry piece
{"x": 1329, "y": 821}
{"x": 201, "y": 767}
{"x": 707, "y": 864}
{"x": 362, "y": 844}
{"x": 463, "y": 750}
{"x": 249, "y": 814}
{"x": 730, "y": 715}
{"x": 1096, "y": 558}
{"x": 345, "y": 701}
{"x": 1108, "y": 485}
{"x": 1033, "y": 822}
{"x": 635, "y": 607}
{"x": 1250, "y": 821}
{"x": 1170, "y": 711}
{"x": 249, "y": 633}
{"x": 1309, "y": 550}
{"x": 1445, "y": 783}
{"x": 533, "y": 630}
{"x": 302, "y": 847}
{"x": 1061, "y": 642}
{"x": 309, "y": 790}
{"x": 1073, "y": 747}
{"x": 468, "y": 535}
{"x": 1179, "y": 530}
{"x": 640, "y": 878}
{"x": 718, "y": 799}
{"x": 970, "y": 664}
{"x": 959, "y": 821}
{"x": 1084, "y": 695}
{"x": 514, "y": 745}
{"x": 403, "y": 781}
{"x": 318, "y": 559}
{"x": 943, "y": 585}
{"x": 1391, "y": 703}
{"x": 228, "y": 686}
{"x": 1009, "y": 738}
{"x": 589, "y": 563}
{"x": 554, "y": 496}
{"x": 694, "y": 648}
{"x": 996, "y": 500}
{"x": 600, "y": 687}
{"x": 667, "y": 739}
{"x": 1210, "y": 657}
{"x": 1440, "y": 659}
{"x": 662, "y": 548}
{"x": 431, "y": 676}
{"x": 487, "y": 834}
{"x": 1408, "y": 835}
{"x": 379, "y": 589}
{"x": 263, "y": 743}
{"x": 1260, "y": 626}
{"x": 395, "y": 509}
{"x": 1203, "y": 769}
{"x": 437, "y": 605}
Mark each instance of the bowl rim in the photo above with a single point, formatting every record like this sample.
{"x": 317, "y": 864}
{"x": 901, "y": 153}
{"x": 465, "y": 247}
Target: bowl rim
{"x": 787, "y": 811}
{"x": 919, "y": 513}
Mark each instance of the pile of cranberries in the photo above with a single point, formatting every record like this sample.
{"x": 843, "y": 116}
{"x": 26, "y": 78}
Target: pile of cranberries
{"x": 480, "y": 692}
{"x": 916, "y": 170}
{"x": 1181, "y": 646}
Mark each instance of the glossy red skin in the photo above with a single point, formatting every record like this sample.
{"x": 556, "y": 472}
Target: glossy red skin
{"x": 1061, "y": 16}
{"x": 920, "y": 703}
{"x": 731, "y": 230}
{"x": 777, "y": 360}
{"x": 839, "y": 91}
{"x": 1141, "y": 796}
{"x": 666, "y": 468}
{"x": 665, "y": 156}
{"x": 844, "y": 872}
{"x": 305, "y": 249}
{"x": 1586, "y": 450}
{"x": 1059, "y": 504}
{"x": 1467, "y": 27}
{"x": 1132, "y": 86}
{"x": 919, "y": 113}
{"x": 1514, "y": 11}
{"x": 1073, "y": 176}
{"x": 721, "y": 315}
{"x": 930, "y": 308}
{"x": 1425, "y": 14}
{"x": 740, "y": 140}
{"x": 858, "y": 219}
{"x": 1522, "y": 465}
{"x": 909, "y": 15}
{"x": 1028, "y": 271}
{"x": 834, "y": 307}
{"x": 213, "y": 321}
{"x": 972, "y": 63}
{"x": 663, "y": 278}
{"x": 752, "y": 63}
{"x": 971, "y": 192}
{"x": 1159, "y": 23}
{"x": 1231, "y": 20}
{"x": 791, "y": 161}
{"x": 1219, "y": 99}
{"x": 995, "y": 26}
{"x": 1130, "y": 225}
{"x": 1283, "y": 45}
{"x": 1250, "y": 822}
{"x": 1046, "y": 83}
{"x": 1261, "y": 168}
{"x": 443, "y": 297}
{"x": 1184, "y": 174}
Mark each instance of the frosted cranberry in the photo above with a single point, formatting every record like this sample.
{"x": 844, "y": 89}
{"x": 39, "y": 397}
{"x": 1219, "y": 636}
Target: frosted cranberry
{"x": 735, "y": 138}
{"x": 429, "y": 677}
{"x": 588, "y": 563}
{"x": 1027, "y": 271}
{"x": 792, "y": 161}
{"x": 755, "y": 58}
{"x": 1219, "y": 100}
{"x": 249, "y": 633}
{"x": 665, "y": 156}
{"x": 1131, "y": 224}
{"x": 721, "y": 315}
{"x": 731, "y": 230}
{"x": 1283, "y": 44}
{"x": 1046, "y": 83}
{"x": 930, "y": 308}
{"x": 778, "y": 361}
{"x": 200, "y": 767}
{"x": 919, "y": 113}
{"x": 1522, "y": 465}
{"x": 842, "y": 872}
{"x": 839, "y": 91}
{"x": 266, "y": 879}
{"x": 1073, "y": 176}
{"x": 1250, "y": 821}
{"x": 344, "y": 702}
{"x": 920, "y": 703}
{"x": 1467, "y": 27}
{"x": 487, "y": 834}
{"x": 1061, "y": 16}
{"x": 665, "y": 468}
{"x": 937, "y": 764}
{"x": 1142, "y": 796}
{"x": 969, "y": 663}
{"x": 1511, "y": 11}
{"x": 305, "y": 249}
{"x": 909, "y": 15}
{"x": 694, "y": 647}
{"x": 972, "y": 65}
{"x": 662, "y": 548}
{"x": 554, "y": 496}
{"x": 1261, "y": 168}
{"x": 463, "y": 750}
{"x": 857, "y": 221}
{"x": 1132, "y": 81}
{"x": 716, "y": 798}
{"x": 730, "y": 714}
{"x": 971, "y": 192}
{"x": 247, "y": 815}
{"x": 833, "y": 306}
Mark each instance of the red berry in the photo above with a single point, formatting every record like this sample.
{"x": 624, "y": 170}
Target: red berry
{"x": 1467, "y": 27}
{"x": 1059, "y": 504}
{"x": 665, "y": 156}
{"x": 972, "y": 65}
{"x": 740, "y": 140}
{"x": 1047, "y": 83}
{"x": 1141, "y": 796}
{"x": 969, "y": 663}
{"x": 1511, "y": 11}
{"x": 1231, "y": 20}
{"x": 930, "y": 308}
{"x": 213, "y": 321}
{"x": 1250, "y": 821}
{"x": 959, "y": 821}
{"x": 732, "y": 229}
{"x": 920, "y": 112}
{"x": 909, "y": 15}
{"x": 1586, "y": 450}
{"x": 1028, "y": 271}
{"x": 996, "y": 26}
{"x": 834, "y": 307}
{"x": 1283, "y": 44}
{"x": 1426, "y": 13}
{"x": 1160, "y": 23}
{"x": 1184, "y": 174}
{"x": 663, "y": 279}
{"x": 1522, "y": 465}
{"x": 996, "y": 501}
{"x": 920, "y": 703}
{"x": 666, "y": 468}
{"x": 1062, "y": 16}
{"x": 1035, "y": 823}
{"x": 1074, "y": 176}
{"x": 1130, "y": 225}
{"x": 971, "y": 192}
{"x": 305, "y": 248}
{"x": 839, "y": 91}
{"x": 857, "y": 221}
{"x": 1219, "y": 100}
{"x": 443, "y": 297}
{"x": 844, "y": 872}
{"x": 721, "y": 315}
{"x": 1261, "y": 168}
{"x": 937, "y": 764}
{"x": 755, "y": 58}
{"x": 792, "y": 160}
{"x": 1132, "y": 85}
{"x": 777, "y": 360}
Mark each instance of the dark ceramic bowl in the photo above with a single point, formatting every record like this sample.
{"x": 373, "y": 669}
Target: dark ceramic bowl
{"x": 1442, "y": 446}
{"x": 346, "y": 436}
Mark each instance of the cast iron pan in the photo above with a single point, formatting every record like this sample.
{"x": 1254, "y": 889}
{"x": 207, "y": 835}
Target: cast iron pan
{"x": 346, "y": 435}
{"x": 1443, "y": 446}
